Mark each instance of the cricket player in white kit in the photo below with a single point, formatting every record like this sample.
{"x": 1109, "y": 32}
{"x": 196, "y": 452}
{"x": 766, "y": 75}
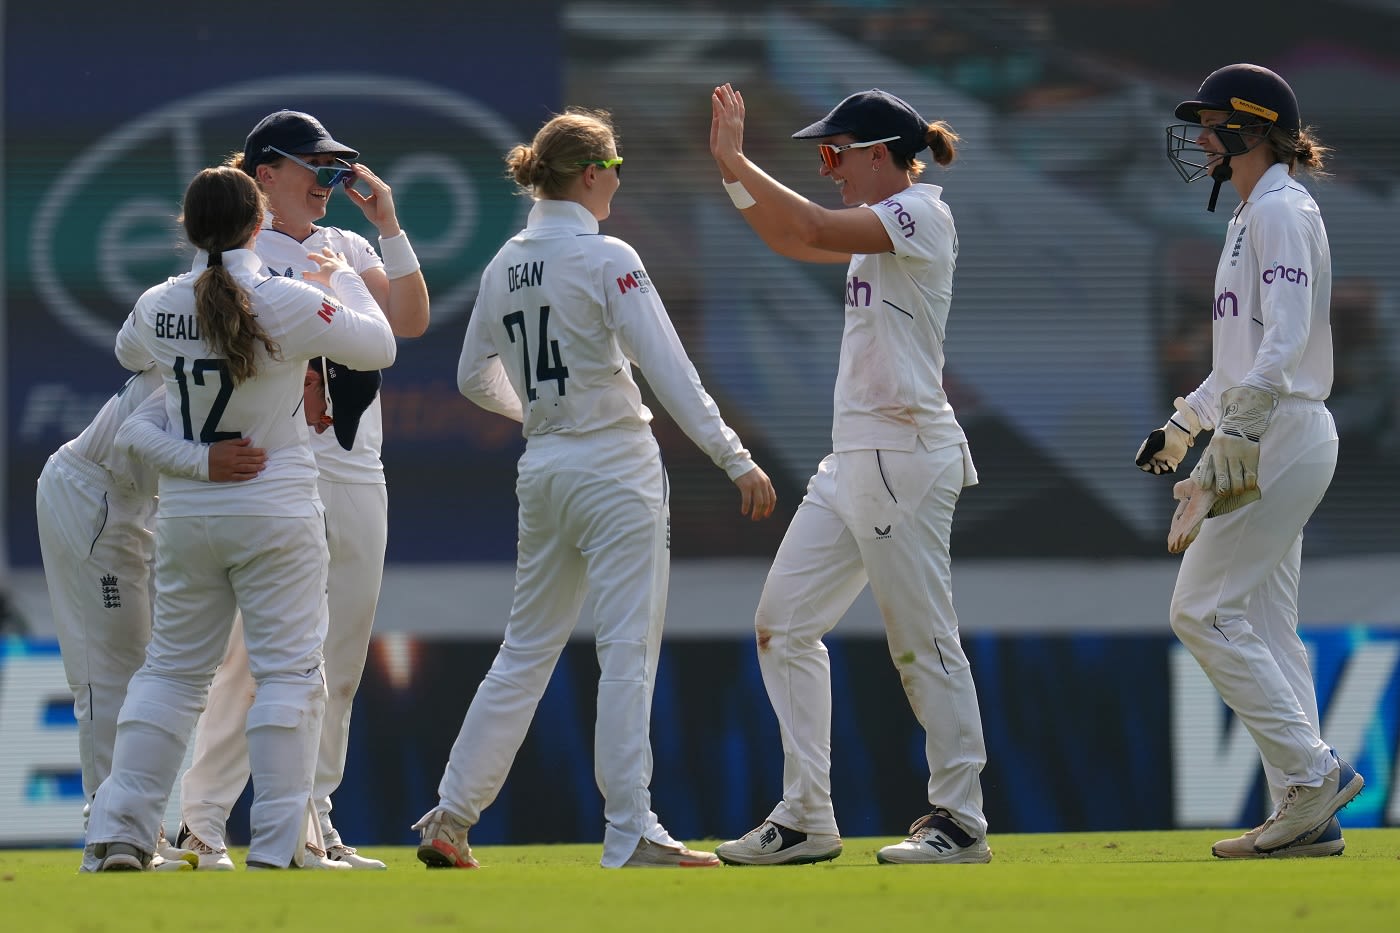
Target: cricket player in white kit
{"x": 880, "y": 507}
{"x": 95, "y": 507}
{"x": 562, "y": 316}
{"x": 232, "y": 344}
{"x": 1272, "y": 453}
{"x": 299, "y": 165}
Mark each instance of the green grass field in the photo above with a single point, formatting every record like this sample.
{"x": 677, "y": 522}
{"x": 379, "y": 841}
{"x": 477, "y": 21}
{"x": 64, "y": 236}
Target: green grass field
{"x": 1089, "y": 881}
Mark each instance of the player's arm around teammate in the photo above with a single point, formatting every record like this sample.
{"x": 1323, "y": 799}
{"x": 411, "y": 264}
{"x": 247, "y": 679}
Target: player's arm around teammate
{"x": 232, "y": 346}
{"x": 594, "y": 512}
{"x": 300, "y": 167}
{"x": 1273, "y": 450}
{"x": 95, "y": 511}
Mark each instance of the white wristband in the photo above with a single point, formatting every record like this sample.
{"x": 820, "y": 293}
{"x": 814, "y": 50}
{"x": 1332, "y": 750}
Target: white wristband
{"x": 399, "y": 258}
{"x": 739, "y": 195}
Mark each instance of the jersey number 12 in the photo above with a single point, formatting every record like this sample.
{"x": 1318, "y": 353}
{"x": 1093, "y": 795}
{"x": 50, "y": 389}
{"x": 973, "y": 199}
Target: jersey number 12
{"x": 544, "y": 371}
{"x": 209, "y": 432}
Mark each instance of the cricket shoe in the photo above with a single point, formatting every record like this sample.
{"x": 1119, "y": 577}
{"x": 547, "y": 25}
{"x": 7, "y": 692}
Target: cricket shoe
{"x": 655, "y": 855}
{"x": 771, "y": 844}
{"x": 171, "y": 858}
{"x": 1323, "y": 841}
{"x": 207, "y": 857}
{"x": 317, "y": 859}
{"x": 936, "y": 839}
{"x": 347, "y": 855}
{"x": 121, "y": 856}
{"x": 313, "y": 859}
{"x": 1306, "y": 809}
{"x": 443, "y": 841}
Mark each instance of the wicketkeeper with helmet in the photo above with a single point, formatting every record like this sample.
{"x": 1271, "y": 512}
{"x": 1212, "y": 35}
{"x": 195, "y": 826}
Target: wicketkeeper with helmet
{"x": 1272, "y": 454}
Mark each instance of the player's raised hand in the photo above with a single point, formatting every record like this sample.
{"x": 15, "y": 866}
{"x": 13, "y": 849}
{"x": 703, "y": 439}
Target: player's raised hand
{"x": 726, "y": 123}
{"x": 328, "y": 263}
{"x": 758, "y": 496}
{"x": 378, "y": 205}
{"x": 235, "y": 461}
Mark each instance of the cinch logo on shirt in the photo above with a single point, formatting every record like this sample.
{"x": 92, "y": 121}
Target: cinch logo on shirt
{"x": 856, "y": 290}
{"x": 637, "y": 279}
{"x": 327, "y": 311}
{"x": 906, "y": 220}
{"x": 1225, "y": 301}
{"x": 1296, "y": 276}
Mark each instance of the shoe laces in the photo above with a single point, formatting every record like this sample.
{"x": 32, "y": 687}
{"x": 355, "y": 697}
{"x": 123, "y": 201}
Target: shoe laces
{"x": 200, "y": 847}
{"x": 1290, "y": 797}
{"x": 921, "y": 828}
{"x": 315, "y": 850}
{"x": 340, "y": 850}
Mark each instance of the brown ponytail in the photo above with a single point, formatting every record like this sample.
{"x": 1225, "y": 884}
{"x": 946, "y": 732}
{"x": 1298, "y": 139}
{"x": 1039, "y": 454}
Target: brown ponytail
{"x": 223, "y": 210}
{"x": 941, "y": 140}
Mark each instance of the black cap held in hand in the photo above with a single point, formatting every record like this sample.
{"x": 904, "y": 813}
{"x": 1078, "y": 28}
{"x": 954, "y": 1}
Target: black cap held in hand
{"x": 870, "y": 115}
{"x": 291, "y": 131}
{"x": 351, "y": 392}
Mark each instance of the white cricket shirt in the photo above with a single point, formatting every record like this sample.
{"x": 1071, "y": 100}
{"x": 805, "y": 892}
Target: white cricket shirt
{"x": 889, "y": 385}
{"x": 562, "y": 315}
{"x": 129, "y": 476}
{"x": 1271, "y": 325}
{"x": 204, "y": 405}
{"x": 283, "y": 255}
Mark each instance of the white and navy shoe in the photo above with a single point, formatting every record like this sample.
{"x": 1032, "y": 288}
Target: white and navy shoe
{"x": 771, "y": 844}
{"x": 936, "y": 839}
{"x": 1304, "y": 810}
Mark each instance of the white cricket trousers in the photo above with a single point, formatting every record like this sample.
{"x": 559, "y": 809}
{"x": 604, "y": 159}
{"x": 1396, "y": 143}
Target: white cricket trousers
{"x": 594, "y": 515}
{"x": 882, "y": 517}
{"x": 96, "y": 549}
{"x": 274, "y": 570}
{"x": 357, "y": 531}
{"x": 1235, "y": 606}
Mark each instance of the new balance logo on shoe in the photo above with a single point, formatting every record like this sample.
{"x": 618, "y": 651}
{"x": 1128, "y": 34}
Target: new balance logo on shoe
{"x": 938, "y": 843}
{"x": 934, "y": 839}
{"x": 771, "y": 844}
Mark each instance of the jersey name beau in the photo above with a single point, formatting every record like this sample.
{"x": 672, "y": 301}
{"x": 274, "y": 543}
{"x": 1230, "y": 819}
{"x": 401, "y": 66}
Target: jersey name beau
{"x": 177, "y": 327}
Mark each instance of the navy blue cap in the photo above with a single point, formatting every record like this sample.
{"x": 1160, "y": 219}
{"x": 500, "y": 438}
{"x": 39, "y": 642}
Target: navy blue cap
{"x": 351, "y": 392}
{"x": 1245, "y": 88}
{"x": 291, "y": 131}
{"x": 873, "y": 114}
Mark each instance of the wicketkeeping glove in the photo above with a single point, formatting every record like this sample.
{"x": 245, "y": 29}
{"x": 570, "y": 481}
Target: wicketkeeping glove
{"x": 1230, "y": 464}
{"x": 1165, "y": 447}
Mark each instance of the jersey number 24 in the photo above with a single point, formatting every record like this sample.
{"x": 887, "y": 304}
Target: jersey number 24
{"x": 544, "y": 371}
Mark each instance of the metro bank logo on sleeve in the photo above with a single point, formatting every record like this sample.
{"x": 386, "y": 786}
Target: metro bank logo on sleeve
{"x": 634, "y": 280}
